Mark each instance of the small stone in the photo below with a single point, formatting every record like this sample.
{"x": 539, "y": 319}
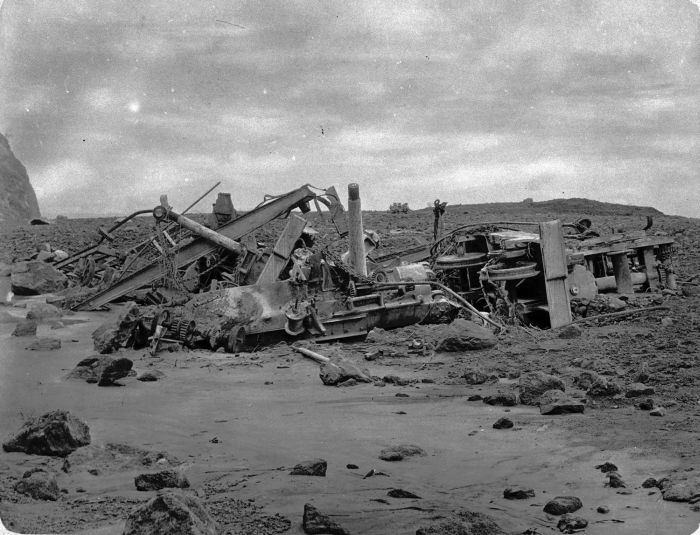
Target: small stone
{"x": 658, "y": 411}
{"x": 563, "y": 504}
{"x": 25, "y": 328}
{"x": 518, "y": 493}
{"x": 475, "y": 397}
{"x": 666, "y": 321}
{"x": 603, "y": 509}
{"x": 570, "y": 331}
{"x": 316, "y": 523}
{"x": 161, "y": 480}
{"x": 636, "y": 390}
{"x": 400, "y": 493}
{"x": 606, "y": 467}
{"x": 314, "y": 467}
{"x": 615, "y": 481}
{"x": 571, "y": 524}
{"x": 400, "y": 452}
{"x": 500, "y": 398}
{"x": 150, "y": 375}
{"x": 475, "y": 377}
{"x": 503, "y": 423}
{"x": 45, "y": 344}
{"x": 351, "y": 466}
{"x": 650, "y": 483}
{"x": 647, "y": 405}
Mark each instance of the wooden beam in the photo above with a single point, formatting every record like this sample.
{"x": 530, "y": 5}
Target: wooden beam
{"x": 555, "y": 273}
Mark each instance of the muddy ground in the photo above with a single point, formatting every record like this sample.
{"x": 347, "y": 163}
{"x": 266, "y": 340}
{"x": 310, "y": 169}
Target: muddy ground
{"x": 237, "y": 424}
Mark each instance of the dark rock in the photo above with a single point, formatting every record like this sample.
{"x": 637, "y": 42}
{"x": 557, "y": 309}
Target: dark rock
{"x": 658, "y": 411}
{"x": 42, "y": 311}
{"x": 396, "y": 380}
{"x": 585, "y": 379}
{"x": 346, "y": 383}
{"x": 150, "y": 375}
{"x": 570, "y": 331}
{"x": 650, "y": 483}
{"x": 646, "y": 405}
{"x": 164, "y": 479}
{"x": 463, "y": 523}
{"x": 400, "y": 452}
{"x": 38, "y": 484}
{"x": 563, "y": 504}
{"x": 615, "y": 481}
{"x": 55, "y": 433}
{"x": 400, "y": 493}
{"x": 603, "y": 387}
{"x": 533, "y": 384}
{"x": 36, "y": 277}
{"x": 501, "y": 398}
{"x": 571, "y": 524}
{"x": 116, "y": 333}
{"x": 25, "y": 328}
{"x": 603, "y": 509}
{"x": 475, "y": 397}
{"x": 463, "y": 335}
{"x": 45, "y": 344}
{"x": 606, "y": 467}
{"x": 340, "y": 370}
{"x": 315, "y": 522}
{"x": 351, "y": 466}
{"x": 170, "y": 513}
{"x": 636, "y": 390}
{"x": 503, "y": 423}
{"x": 475, "y": 377}
{"x": 314, "y": 467}
{"x": 557, "y": 402}
{"x": 518, "y": 493}
{"x": 113, "y": 371}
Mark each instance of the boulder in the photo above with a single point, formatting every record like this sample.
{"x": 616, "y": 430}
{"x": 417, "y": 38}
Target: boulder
{"x": 400, "y": 452}
{"x": 680, "y": 488}
{"x": 43, "y": 311}
{"x": 475, "y": 377}
{"x": 463, "y": 523}
{"x": 463, "y": 335}
{"x": 503, "y": 423}
{"x": 607, "y": 467}
{"x": 501, "y": 398}
{"x": 571, "y": 524}
{"x": 518, "y": 493}
{"x": 101, "y": 369}
{"x": 116, "y": 333}
{"x": 54, "y": 433}
{"x": 615, "y": 481}
{"x": 25, "y": 328}
{"x": 165, "y": 479}
{"x": 315, "y": 522}
{"x": 563, "y": 504}
{"x": 339, "y": 370}
{"x": 168, "y": 513}
{"x": 557, "y": 402}
{"x": 36, "y": 277}
{"x": 636, "y": 390}
{"x": 650, "y": 483}
{"x": 45, "y": 344}
{"x": 658, "y": 411}
{"x": 603, "y": 387}
{"x": 533, "y": 384}
{"x": 314, "y": 467}
{"x": 38, "y": 484}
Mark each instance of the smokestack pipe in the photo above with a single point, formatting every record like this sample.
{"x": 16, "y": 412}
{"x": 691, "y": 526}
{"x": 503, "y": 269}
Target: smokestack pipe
{"x": 356, "y": 233}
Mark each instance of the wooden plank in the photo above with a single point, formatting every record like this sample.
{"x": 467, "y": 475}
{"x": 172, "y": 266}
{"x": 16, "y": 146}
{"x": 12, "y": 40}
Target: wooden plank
{"x": 555, "y": 273}
{"x": 649, "y": 260}
{"x": 283, "y": 249}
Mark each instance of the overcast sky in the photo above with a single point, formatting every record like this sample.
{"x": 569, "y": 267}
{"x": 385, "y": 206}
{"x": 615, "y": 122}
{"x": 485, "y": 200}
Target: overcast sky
{"x": 111, "y": 103}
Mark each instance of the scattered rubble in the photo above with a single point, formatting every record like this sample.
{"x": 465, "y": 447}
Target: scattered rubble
{"x": 55, "y": 433}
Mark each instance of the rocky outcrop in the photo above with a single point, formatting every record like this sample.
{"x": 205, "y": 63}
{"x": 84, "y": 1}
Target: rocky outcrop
{"x": 18, "y": 202}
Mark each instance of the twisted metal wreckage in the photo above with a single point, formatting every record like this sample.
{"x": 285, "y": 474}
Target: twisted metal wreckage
{"x": 219, "y": 288}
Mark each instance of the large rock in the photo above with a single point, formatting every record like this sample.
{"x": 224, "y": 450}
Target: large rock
{"x": 35, "y": 277}
{"x": 518, "y": 493}
{"x": 475, "y": 377}
{"x": 314, "y": 467}
{"x": 636, "y": 390}
{"x": 314, "y": 522}
{"x": 680, "y": 488}
{"x": 55, "y": 433}
{"x": 116, "y": 333}
{"x": 38, "y": 484}
{"x": 603, "y": 387}
{"x": 165, "y": 479}
{"x": 339, "y": 370}
{"x": 18, "y": 202}
{"x": 25, "y": 328}
{"x": 463, "y": 523}
{"x": 557, "y": 402}
{"x": 561, "y": 505}
{"x": 463, "y": 335}
{"x": 101, "y": 369}
{"x": 533, "y": 384}
{"x": 170, "y": 513}
{"x": 505, "y": 399}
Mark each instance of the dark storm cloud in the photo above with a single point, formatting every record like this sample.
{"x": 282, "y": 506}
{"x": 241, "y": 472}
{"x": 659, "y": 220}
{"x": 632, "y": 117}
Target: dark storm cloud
{"x": 118, "y": 102}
